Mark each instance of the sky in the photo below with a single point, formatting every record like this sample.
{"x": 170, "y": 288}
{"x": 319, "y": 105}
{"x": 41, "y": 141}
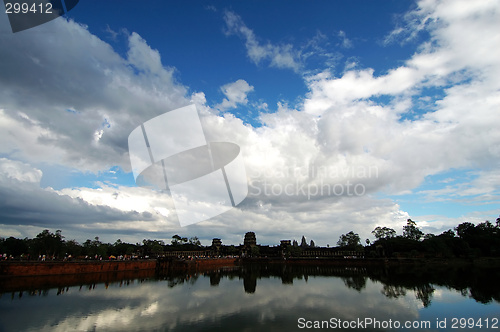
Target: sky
{"x": 349, "y": 115}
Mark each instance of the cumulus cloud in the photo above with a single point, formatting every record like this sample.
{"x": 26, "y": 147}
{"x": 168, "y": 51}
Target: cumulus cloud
{"x": 236, "y": 94}
{"x": 77, "y": 99}
{"x": 444, "y": 138}
{"x": 300, "y": 162}
{"x": 342, "y": 129}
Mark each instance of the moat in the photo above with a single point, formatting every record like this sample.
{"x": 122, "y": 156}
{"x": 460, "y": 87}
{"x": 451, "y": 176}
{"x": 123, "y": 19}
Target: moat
{"x": 257, "y": 297}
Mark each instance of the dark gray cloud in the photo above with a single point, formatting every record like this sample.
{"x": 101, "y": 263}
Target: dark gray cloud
{"x": 26, "y": 203}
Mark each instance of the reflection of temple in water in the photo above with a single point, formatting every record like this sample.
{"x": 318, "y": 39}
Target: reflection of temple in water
{"x": 250, "y": 284}
{"x": 215, "y": 278}
{"x": 396, "y": 282}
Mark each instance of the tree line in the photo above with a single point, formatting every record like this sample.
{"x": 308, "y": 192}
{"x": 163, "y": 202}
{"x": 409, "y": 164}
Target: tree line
{"x": 464, "y": 240}
{"x": 53, "y": 246}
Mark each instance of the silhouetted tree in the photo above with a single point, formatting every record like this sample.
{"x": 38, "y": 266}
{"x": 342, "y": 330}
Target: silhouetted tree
{"x": 121, "y": 248}
{"x": 73, "y": 248}
{"x": 95, "y": 247}
{"x": 176, "y": 240}
{"x": 483, "y": 239}
{"x": 48, "y": 243}
{"x": 429, "y": 236}
{"x": 152, "y": 247}
{"x": 13, "y": 246}
{"x": 465, "y": 230}
{"x": 350, "y": 241}
{"x": 383, "y": 232}
{"x": 194, "y": 241}
{"x": 449, "y": 234}
{"x": 411, "y": 231}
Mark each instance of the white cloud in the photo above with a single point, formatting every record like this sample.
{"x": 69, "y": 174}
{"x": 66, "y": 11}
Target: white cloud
{"x": 236, "y": 94}
{"x": 280, "y": 56}
{"x": 84, "y": 92}
{"x": 451, "y": 136}
{"x": 10, "y": 169}
{"x": 483, "y": 189}
{"x": 340, "y": 127}
{"x": 344, "y": 41}
{"x": 142, "y": 56}
{"x": 339, "y": 130}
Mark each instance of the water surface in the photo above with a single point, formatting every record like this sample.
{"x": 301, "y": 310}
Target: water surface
{"x": 261, "y": 298}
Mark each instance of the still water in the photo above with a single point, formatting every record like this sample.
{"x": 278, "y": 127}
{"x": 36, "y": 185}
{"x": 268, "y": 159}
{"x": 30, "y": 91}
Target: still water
{"x": 260, "y": 298}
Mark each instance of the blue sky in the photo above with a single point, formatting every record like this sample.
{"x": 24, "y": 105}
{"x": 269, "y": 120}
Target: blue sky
{"x": 403, "y": 87}
{"x": 195, "y": 40}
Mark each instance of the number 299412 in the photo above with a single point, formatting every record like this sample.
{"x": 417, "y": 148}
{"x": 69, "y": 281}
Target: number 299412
{"x": 25, "y": 8}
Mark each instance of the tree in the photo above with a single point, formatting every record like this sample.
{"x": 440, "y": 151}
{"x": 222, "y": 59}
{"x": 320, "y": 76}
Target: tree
{"x": 429, "y": 236}
{"x": 312, "y": 244}
{"x": 14, "y": 247}
{"x": 383, "y": 232}
{"x": 48, "y": 243}
{"x": 72, "y": 248}
{"x": 486, "y": 226}
{"x": 350, "y": 240}
{"x": 448, "y": 234}
{"x": 152, "y": 247}
{"x": 176, "y": 240}
{"x": 465, "y": 230}
{"x": 411, "y": 231}
{"x": 95, "y": 247}
{"x": 195, "y": 241}
{"x": 484, "y": 236}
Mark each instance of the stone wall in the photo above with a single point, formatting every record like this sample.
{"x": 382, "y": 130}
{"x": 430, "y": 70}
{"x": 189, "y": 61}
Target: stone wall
{"x": 59, "y": 268}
